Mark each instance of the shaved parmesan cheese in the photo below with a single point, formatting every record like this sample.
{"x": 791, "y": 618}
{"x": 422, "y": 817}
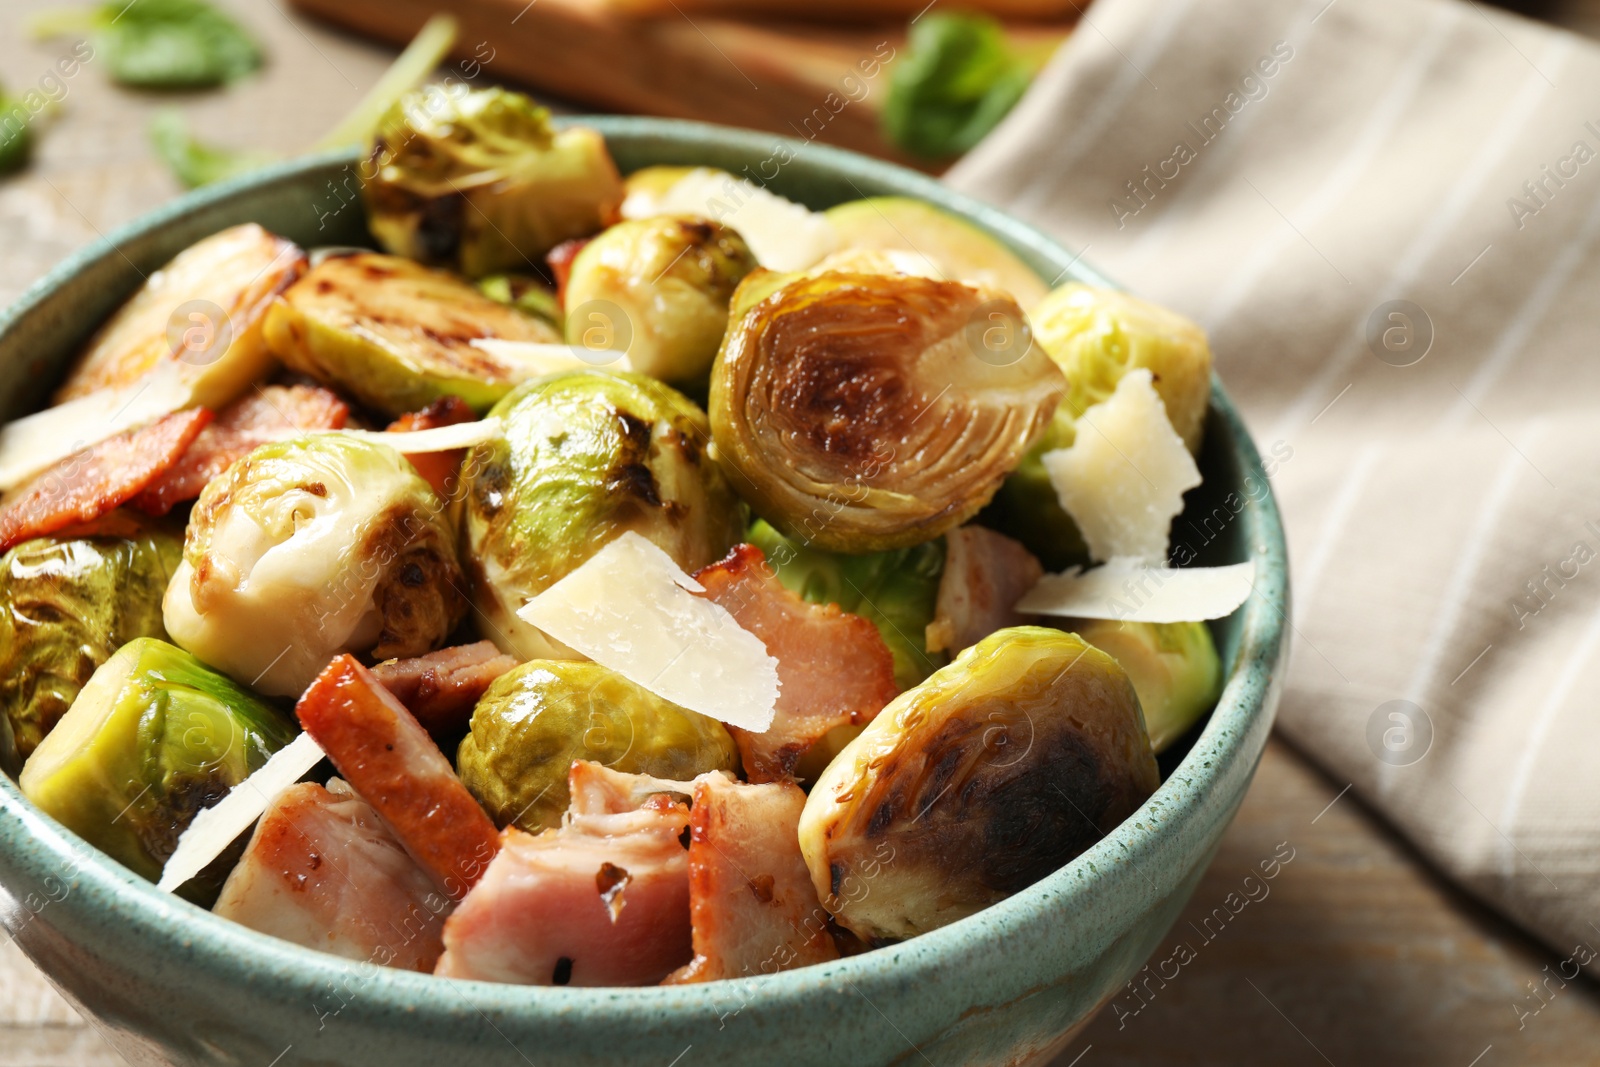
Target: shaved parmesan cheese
{"x": 630, "y": 608}
{"x": 1134, "y": 591}
{"x": 218, "y": 826}
{"x": 782, "y": 234}
{"x": 35, "y": 443}
{"x": 437, "y": 439}
{"x": 539, "y": 358}
{"x": 1123, "y": 479}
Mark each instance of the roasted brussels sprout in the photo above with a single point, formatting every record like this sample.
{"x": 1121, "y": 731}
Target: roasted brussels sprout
{"x": 398, "y": 336}
{"x": 586, "y": 456}
{"x": 670, "y": 277}
{"x": 869, "y": 412}
{"x": 897, "y": 590}
{"x": 1095, "y": 336}
{"x": 310, "y": 547}
{"x": 479, "y": 179}
{"x": 998, "y": 769}
{"x": 528, "y": 295}
{"x": 1173, "y": 665}
{"x": 66, "y": 604}
{"x": 204, "y": 308}
{"x": 533, "y": 722}
{"x": 960, "y": 250}
{"x": 153, "y": 738}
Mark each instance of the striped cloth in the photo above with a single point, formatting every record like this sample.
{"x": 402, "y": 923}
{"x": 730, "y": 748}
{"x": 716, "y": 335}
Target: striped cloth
{"x": 1385, "y": 214}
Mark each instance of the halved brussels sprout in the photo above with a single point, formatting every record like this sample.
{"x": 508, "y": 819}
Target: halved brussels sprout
{"x": 998, "y": 769}
{"x": 66, "y": 604}
{"x": 534, "y": 721}
{"x": 897, "y": 590}
{"x": 670, "y": 278}
{"x": 310, "y": 547}
{"x": 1096, "y": 336}
{"x": 480, "y": 180}
{"x": 960, "y": 250}
{"x": 586, "y": 456}
{"x": 865, "y": 412}
{"x": 647, "y": 185}
{"x": 398, "y": 336}
{"x": 204, "y": 308}
{"x": 1173, "y": 665}
{"x": 154, "y": 737}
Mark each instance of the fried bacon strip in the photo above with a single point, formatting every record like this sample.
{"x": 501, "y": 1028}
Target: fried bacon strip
{"x": 322, "y": 870}
{"x": 437, "y": 468}
{"x": 392, "y": 763}
{"x": 90, "y": 483}
{"x": 267, "y": 414}
{"x": 833, "y": 667}
{"x": 752, "y": 904}
{"x": 441, "y": 688}
{"x": 985, "y": 574}
{"x": 560, "y": 260}
{"x": 603, "y": 901}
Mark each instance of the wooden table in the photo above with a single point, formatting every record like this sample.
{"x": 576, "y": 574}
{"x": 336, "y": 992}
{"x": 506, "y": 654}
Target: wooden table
{"x": 1359, "y": 955}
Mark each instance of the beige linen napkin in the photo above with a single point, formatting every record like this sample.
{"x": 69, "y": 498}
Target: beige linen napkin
{"x": 1385, "y": 214}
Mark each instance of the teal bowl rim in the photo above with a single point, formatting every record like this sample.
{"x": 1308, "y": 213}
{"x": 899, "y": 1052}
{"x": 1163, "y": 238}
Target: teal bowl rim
{"x": 228, "y": 952}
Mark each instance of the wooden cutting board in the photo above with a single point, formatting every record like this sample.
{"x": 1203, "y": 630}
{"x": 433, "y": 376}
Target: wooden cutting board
{"x": 814, "y": 82}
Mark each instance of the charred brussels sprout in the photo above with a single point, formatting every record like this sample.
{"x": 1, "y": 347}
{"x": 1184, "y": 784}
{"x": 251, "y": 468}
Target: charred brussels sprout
{"x": 869, "y": 412}
{"x": 897, "y": 590}
{"x": 533, "y": 722}
{"x": 994, "y": 772}
{"x": 1173, "y": 665}
{"x": 586, "y": 456}
{"x": 671, "y": 278}
{"x": 66, "y": 604}
{"x": 479, "y": 179}
{"x": 1096, "y": 336}
{"x": 154, "y": 737}
{"x": 311, "y": 547}
{"x": 398, "y": 336}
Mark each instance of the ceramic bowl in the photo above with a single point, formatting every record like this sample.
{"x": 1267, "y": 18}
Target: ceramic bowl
{"x": 169, "y": 983}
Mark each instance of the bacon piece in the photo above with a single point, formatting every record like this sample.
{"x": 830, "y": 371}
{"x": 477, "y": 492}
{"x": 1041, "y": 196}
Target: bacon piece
{"x": 389, "y": 759}
{"x": 90, "y": 483}
{"x": 985, "y": 574}
{"x": 833, "y": 667}
{"x": 268, "y": 414}
{"x": 322, "y": 870}
{"x": 603, "y": 901}
{"x": 441, "y": 688}
{"x": 437, "y": 468}
{"x": 560, "y": 260}
{"x": 752, "y": 905}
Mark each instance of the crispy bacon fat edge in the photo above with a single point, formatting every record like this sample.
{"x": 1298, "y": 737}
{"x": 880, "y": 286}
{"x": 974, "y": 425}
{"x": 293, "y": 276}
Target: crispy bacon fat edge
{"x": 833, "y": 667}
{"x": 92, "y": 482}
{"x": 392, "y": 763}
{"x": 438, "y": 469}
{"x": 267, "y": 414}
{"x": 752, "y": 904}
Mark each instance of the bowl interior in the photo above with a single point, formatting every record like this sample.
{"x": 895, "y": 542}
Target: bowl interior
{"x": 315, "y": 201}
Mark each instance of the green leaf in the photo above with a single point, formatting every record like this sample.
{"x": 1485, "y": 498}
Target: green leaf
{"x": 162, "y": 44}
{"x": 193, "y": 162}
{"x": 16, "y": 139}
{"x": 958, "y": 79}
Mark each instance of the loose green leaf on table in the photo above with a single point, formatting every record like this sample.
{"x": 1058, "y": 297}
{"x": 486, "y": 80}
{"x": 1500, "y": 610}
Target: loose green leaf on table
{"x": 196, "y": 163}
{"x": 16, "y": 139}
{"x": 957, "y": 80}
{"x": 162, "y": 44}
